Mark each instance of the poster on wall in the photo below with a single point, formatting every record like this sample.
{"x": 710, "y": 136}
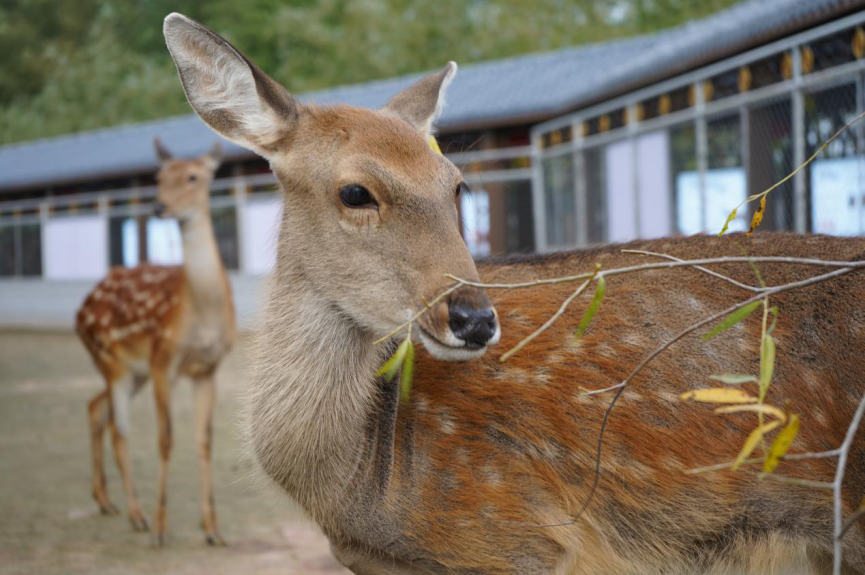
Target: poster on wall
{"x": 838, "y": 197}
{"x": 725, "y": 189}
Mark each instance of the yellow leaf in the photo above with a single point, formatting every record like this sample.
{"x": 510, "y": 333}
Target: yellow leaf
{"x": 434, "y": 146}
{"x": 758, "y": 217}
{"x": 719, "y": 395}
{"x": 407, "y": 374}
{"x": 756, "y": 408}
{"x": 781, "y": 444}
{"x": 730, "y": 218}
{"x": 767, "y": 364}
{"x": 752, "y": 441}
{"x": 392, "y": 365}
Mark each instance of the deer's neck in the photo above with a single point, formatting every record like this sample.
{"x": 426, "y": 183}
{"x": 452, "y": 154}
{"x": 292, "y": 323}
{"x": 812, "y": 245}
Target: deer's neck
{"x": 203, "y": 268}
{"x": 312, "y": 395}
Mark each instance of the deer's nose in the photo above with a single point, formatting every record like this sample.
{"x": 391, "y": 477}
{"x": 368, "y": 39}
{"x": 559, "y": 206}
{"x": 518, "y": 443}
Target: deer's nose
{"x": 472, "y": 325}
{"x": 159, "y": 209}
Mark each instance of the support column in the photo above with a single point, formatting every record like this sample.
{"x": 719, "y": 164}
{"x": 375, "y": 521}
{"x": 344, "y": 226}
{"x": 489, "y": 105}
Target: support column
{"x": 800, "y": 190}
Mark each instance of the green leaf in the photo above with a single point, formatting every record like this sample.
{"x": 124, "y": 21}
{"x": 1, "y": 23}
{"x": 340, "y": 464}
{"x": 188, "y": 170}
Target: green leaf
{"x": 730, "y": 218}
{"x": 392, "y": 365}
{"x": 767, "y": 364}
{"x": 590, "y": 312}
{"x": 734, "y": 378}
{"x": 733, "y": 319}
{"x": 781, "y": 444}
{"x": 407, "y": 374}
{"x": 774, "y": 310}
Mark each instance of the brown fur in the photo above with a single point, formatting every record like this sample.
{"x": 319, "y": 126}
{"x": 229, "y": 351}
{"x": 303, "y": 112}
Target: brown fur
{"x": 459, "y": 479}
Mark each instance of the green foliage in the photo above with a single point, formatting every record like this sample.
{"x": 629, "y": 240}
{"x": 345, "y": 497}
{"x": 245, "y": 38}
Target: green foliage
{"x": 594, "y": 305}
{"x": 73, "y": 65}
{"x": 733, "y": 319}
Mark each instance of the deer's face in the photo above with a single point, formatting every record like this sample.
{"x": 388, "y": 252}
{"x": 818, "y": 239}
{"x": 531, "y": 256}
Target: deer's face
{"x": 183, "y": 186}
{"x": 370, "y": 209}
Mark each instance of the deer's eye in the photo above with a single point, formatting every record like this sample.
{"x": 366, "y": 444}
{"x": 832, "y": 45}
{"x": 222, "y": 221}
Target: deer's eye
{"x": 192, "y": 177}
{"x": 462, "y": 187}
{"x": 355, "y": 196}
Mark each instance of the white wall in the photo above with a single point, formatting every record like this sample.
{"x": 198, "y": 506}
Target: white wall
{"x": 75, "y": 248}
{"x": 621, "y": 216}
{"x": 261, "y": 231}
{"x": 653, "y": 184}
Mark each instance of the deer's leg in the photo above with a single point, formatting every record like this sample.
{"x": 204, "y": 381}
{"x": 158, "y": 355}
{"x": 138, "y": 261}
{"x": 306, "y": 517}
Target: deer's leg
{"x": 205, "y": 401}
{"x": 97, "y": 415}
{"x": 162, "y": 393}
{"x": 119, "y": 421}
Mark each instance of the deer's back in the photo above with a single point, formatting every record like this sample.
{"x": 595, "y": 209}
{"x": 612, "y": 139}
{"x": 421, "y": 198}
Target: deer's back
{"x": 485, "y": 449}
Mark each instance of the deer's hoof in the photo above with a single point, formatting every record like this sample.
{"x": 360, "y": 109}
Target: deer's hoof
{"x": 159, "y": 540}
{"x": 108, "y": 508}
{"x": 215, "y": 540}
{"x": 139, "y": 523}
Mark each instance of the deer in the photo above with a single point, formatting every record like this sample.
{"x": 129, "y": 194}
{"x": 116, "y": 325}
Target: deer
{"x": 484, "y": 467}
{"x": 162, "y": 323}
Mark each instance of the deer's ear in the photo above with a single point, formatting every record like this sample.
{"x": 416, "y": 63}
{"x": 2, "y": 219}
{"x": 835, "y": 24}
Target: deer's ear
{"x": 161, "y": 151}
{"x": 213, "y": 157}
{"x": 422, "y": 103}
{"x": 227, "y": 91}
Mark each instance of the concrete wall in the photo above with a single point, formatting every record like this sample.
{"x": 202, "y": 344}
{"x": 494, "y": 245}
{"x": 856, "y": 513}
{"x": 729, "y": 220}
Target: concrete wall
{"x": 51, "y": 305}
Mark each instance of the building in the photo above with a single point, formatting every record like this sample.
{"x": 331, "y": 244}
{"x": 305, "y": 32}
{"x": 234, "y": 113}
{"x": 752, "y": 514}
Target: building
{"x": 649, "y": 136}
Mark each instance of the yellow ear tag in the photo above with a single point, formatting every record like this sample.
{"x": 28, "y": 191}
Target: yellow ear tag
{"x": 433, "y": 145}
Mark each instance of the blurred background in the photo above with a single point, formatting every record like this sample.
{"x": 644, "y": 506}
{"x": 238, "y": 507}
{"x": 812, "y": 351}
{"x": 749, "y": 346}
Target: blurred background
{"x": 575, "y": 122}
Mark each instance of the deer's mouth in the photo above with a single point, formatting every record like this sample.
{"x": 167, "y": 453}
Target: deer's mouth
{"x": 452, "y": 350}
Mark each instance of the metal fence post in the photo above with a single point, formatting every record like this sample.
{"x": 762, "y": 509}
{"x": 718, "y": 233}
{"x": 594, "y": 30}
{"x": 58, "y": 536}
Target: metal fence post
{"x": 240, "y": 215}
{"x": 581, "y": 195}
{"x": 538, "y": 195}
{"x": 800, "y": 192}
{"x": 702, "y": 138}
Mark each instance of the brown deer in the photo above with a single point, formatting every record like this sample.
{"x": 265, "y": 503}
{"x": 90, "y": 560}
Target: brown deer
{"x": 465, "y": 476}
{"x": 162, "y": 322}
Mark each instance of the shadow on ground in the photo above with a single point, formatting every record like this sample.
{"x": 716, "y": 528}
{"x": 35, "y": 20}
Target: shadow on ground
{"x": 48, "y": 521}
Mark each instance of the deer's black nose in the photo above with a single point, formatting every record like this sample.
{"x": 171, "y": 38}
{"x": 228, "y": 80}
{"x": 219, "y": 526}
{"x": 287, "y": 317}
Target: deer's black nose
{"x": 158, "y": 209}
{"x": 474, "y": 326}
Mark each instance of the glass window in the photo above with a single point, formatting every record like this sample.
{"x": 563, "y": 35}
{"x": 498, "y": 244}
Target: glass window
{"x": 596, "y": 196}
{"x": 770, "y": 159}
{"x": 31, "y": 249}
{"x": 7, "y": 250}
{"x": 559, "y": 200}
{"x": 225, "y": 226}
{"x": 835, "y": 178}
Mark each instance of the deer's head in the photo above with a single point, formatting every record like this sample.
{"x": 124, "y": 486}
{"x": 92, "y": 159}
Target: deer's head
{"x": 184, "y": 185}
{"x": 370, "y": 210}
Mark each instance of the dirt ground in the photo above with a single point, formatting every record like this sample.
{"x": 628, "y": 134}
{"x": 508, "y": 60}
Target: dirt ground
{"x": 49, "y": 523}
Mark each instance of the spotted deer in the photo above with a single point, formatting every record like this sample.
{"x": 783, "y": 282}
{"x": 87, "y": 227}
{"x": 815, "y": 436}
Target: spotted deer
{"x": 466, "y": 476}
{"x": 161, "y": 323}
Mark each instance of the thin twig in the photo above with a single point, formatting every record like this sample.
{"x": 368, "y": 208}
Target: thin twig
{"x": 839, "y": 481}
{"x": 860, "y": 514}
{"x": 548, "y": 323}
{"x": 701, "y": 268}
{"x": 799, "y": 482}
{"x": 802, "y": 166}
{"x": 659, "y": 266}
{"x": 787, "y": 457}
{"x": 412, "y": 319}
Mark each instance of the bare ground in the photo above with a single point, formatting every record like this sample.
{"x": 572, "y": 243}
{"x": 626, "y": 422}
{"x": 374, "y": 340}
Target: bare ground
{"x": 49, "y": 523}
